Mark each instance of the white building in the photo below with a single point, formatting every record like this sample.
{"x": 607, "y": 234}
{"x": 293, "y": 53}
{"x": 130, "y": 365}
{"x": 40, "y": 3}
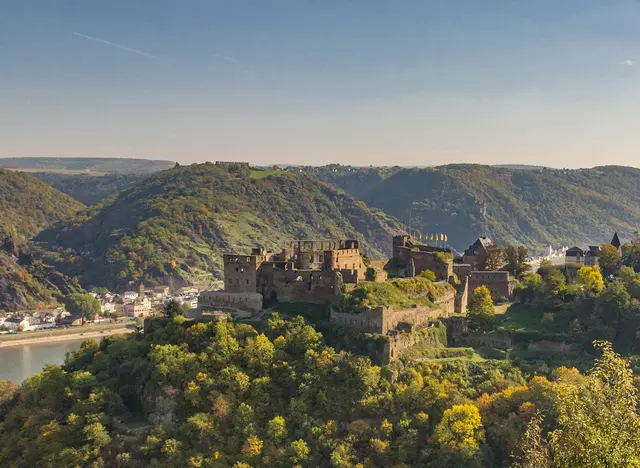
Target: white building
{"x": 130, "y": 296}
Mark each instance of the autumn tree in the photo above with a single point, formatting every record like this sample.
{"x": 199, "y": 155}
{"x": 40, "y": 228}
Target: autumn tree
{"x": 481, "y": 312}
{"x": 609, "y": 259}
{"x": 597, "y": 424}
{"x": 460, "y": 435}
{"x": 590, "y": 279}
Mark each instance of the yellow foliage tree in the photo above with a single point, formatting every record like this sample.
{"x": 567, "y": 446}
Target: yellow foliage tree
{"x": 590, "y": 279}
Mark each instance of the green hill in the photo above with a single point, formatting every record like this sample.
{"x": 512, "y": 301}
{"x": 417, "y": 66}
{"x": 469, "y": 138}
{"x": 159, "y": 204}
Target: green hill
{"x": 89, "y": 189}
{"x": 99, "y": 165}
{"x": 525, "y": 206}
{"x": 27, "y": 205}
{"x": 175, "y": 225}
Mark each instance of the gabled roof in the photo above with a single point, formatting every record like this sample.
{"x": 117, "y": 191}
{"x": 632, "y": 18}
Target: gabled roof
{"x": 616, "y": 241}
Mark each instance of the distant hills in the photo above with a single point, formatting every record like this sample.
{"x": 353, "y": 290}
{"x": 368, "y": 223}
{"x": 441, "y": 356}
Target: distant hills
{"x": 175, "y": 225}
{"x": 89, "y": 189}
{"x": 28, "y": 205}
{"x": 513, "y": 205}
{"x": 97, "y": 165}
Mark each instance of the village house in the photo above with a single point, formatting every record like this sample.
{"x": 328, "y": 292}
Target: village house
{"x": 130, "y": 296}
{"x": 161, "y": 292}
{"x": 137, "y": 309}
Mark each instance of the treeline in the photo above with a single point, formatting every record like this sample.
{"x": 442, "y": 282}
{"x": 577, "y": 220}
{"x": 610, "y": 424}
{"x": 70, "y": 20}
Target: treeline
{"x": 228, "y": 395}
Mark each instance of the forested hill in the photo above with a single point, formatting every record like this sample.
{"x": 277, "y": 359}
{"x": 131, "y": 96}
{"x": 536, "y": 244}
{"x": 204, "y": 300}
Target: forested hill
{"x": 175, "y": 225}
{"x": 117, "y": 165}
{"x": 530, "y": 206}
{"x": 89, "y": 189}
{"x": 27, "y": 205}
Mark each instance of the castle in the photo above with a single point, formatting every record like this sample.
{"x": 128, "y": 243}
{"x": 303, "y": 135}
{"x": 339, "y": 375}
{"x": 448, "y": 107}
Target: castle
{"x": 321, "y": 271}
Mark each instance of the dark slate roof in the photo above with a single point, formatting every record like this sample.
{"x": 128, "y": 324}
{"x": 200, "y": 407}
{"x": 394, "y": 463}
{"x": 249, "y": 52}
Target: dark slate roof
{"x": 616, "y": 241}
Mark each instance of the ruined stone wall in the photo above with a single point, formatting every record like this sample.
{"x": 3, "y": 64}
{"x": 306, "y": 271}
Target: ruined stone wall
{"x": 240, "y": 273}
{"x": 498, "y": 282}
{"x": 315, "y": 286}
{"x": 223, "y": 300}
{"x": 379, "y": 268}
{"x": 462, "y": 270}
{"x": 423, "y": 260}
{"x": 462, "y": 296}
{"x": 428, "y": 337}
{"x": 382, "y": 320}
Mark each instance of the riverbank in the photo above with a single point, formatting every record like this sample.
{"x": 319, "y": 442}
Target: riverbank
{"x": 62, "y": 335}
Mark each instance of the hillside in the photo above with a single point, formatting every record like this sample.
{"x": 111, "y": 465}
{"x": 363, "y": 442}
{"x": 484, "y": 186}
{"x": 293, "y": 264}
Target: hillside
{"x": 27, "y": 205}
{"x": 174, "y": 226}
{"x": 26, "y": 283}
{"x": 528, "y": 206}
{"x": 100, "y": 165}
{"x": 89, "y": 189}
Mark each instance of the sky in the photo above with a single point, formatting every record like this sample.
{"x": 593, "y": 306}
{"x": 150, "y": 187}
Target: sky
{"x": 361, "y": 82}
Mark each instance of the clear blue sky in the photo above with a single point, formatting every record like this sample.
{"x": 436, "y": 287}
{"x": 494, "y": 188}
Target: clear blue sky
{"x": 553, "y": 82}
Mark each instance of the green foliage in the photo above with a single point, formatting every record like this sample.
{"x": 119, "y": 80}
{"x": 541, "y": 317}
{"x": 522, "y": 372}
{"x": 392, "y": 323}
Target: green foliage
{"x": 481, "y": 312}
{"x": 82, "y": 305}
{"x": 516, "y": 260}
{"x": 598, "y": 423}
{"x": 89, "y": 189}
{"x": 528, "y": 206}
{"x": 396, "y": 294}
{"x": 177, "y": 224}
{"x": 28, "y": 205}
{"x": 609, "y": 259}
{"x": 173, "y": 309}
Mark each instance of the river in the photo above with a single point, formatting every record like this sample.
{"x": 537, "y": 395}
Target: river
{"x": 19, "y": 362}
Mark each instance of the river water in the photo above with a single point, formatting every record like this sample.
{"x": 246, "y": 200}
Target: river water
{"x": 19, "y": 362}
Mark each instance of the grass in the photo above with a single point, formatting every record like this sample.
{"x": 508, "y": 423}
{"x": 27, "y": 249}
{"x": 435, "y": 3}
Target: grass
{"x": 519, "y": 317}
{"x": 449, "y": 354}
{"x": 263, "y": 174}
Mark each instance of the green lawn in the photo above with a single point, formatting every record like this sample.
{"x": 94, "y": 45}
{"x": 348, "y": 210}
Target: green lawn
{"x": 262, "y": 174}
{"x": 519, "y": 317}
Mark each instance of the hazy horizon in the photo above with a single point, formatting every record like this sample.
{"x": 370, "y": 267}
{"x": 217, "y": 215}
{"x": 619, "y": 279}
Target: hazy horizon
{"x": 412, "y": 83}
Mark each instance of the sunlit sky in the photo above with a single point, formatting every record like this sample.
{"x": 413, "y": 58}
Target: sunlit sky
{"x": 413, "y": 82}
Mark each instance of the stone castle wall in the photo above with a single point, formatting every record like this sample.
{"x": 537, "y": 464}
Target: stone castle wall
{"x": 314, "y": 286}
{"x": 499, "y": 283}
{"x": 226, "y": 301}
{"x": 240, "y": 273}
{"x": 383, "y": 320}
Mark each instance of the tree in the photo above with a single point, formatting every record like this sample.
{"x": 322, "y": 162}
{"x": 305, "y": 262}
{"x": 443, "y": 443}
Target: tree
{"x": 590, "y": 279}
{"x": 481, "y": 313}
{"x": 598, "y": 426}
{"x": 460, "y": 432}
{"x": 609, "y": 259}
{"x": 494, "y": 259}
{"x": 173, "y": 308}
{"x": 82, "y": 305}
{"x": 7, "y": 389}
{"x": 516, "y": 260}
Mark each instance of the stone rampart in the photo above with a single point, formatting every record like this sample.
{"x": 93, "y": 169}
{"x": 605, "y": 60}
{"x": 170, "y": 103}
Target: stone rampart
{"x": 228, "y": 301}
{"x": 383, "y": 320}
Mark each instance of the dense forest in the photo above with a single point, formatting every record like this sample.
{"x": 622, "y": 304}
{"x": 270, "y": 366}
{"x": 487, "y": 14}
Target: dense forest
{"x": 175, "y": 225}
{"x": 228, "y": 395}
{"x": 523, "y": 206}
{"x": 28, "y": 205}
